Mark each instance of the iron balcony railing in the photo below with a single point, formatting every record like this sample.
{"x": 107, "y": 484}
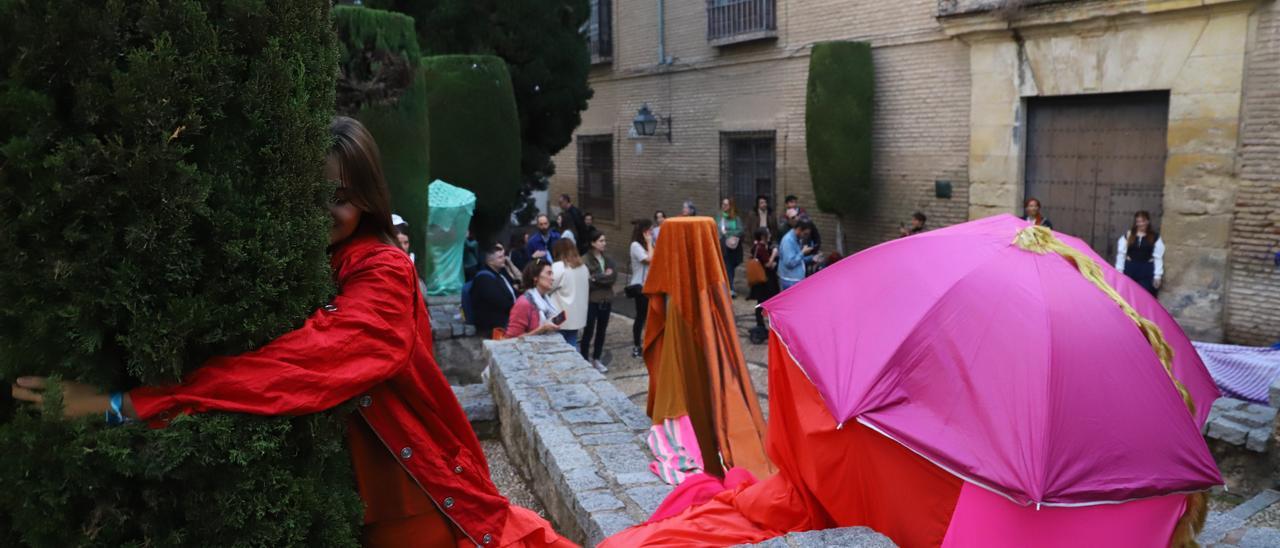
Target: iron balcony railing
{"x": 730, "y": 21}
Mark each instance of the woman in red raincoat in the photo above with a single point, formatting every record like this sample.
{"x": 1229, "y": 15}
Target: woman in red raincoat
{"x": 418, "y": 465}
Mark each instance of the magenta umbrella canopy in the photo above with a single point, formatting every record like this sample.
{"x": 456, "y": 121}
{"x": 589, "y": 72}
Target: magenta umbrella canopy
{"x": 1005, "y": 367}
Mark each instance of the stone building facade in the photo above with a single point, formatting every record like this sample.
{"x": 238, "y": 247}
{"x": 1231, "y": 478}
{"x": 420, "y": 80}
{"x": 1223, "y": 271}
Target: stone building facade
{"x": 1098, "y": 108}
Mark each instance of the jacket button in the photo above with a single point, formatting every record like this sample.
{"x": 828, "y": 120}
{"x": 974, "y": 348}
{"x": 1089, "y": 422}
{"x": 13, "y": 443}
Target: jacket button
{"x": 366, "y": 401}
{"x": 487, "y": 538}
{"x": 406, "y": 453}
{"x": 457, "y": 469}
{"x": 330, "y": 308}
{"x": 448, "y": 502}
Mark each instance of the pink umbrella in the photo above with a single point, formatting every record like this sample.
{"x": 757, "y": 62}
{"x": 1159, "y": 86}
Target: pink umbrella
{"x": 1004, "y": 366}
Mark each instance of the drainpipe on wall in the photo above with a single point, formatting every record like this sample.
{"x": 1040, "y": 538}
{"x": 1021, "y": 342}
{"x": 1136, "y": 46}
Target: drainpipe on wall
{"x": 662, "y": 32}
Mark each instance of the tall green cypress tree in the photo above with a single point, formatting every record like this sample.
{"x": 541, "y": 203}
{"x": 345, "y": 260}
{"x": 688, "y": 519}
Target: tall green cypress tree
{"x": 475, "y": 133}
{"x": 160, "y": 203}
{"x": 838, "y": 116}
{"x": 382, "y": 85}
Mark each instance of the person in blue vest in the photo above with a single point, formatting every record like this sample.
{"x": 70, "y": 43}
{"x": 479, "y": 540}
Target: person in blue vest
{"x": 1140, "y": 253}
{"x": 542, "y": 241}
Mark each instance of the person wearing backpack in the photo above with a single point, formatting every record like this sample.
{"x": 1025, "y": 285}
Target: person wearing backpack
{"x": 491, "y": 295}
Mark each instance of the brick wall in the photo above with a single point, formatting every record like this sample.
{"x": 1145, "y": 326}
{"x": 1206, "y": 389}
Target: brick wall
{"x": 921, "y": 124}
{"x": 1253, "y": 295}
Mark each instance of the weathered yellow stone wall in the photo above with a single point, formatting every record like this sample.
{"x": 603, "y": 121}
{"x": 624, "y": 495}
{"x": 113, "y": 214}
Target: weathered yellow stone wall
{"x": 1194, "y": 51}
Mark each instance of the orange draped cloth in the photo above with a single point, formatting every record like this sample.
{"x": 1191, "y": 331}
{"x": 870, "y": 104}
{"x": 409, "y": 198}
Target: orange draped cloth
{"x": 828, "y": 477}
{"x": 691, "y": 350}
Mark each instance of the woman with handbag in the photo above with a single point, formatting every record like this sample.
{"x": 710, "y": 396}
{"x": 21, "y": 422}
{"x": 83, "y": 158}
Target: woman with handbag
{"x": 762, "y": 271}
{"x": 641, "y": 255}
{"x": 572, "y": 282}
{"x": 730, "y": 240}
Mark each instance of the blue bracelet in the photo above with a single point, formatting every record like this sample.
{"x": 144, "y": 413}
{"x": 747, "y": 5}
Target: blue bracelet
{"x": 114, "y": 415}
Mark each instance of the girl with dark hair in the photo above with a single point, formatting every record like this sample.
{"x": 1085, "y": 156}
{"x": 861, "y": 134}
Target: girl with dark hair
{"x": 641, "y": 255}
{"x": 762, "y": 217}
{"x": 534, "y": 312}
{"x": 1140, "y": 253}
{"x": 599, "y": 300}
{"x": 517, "y": 246}
{"x": 418, "y": 466}
{"x": 1031, "y": 214}
{"x": 766, "y": 253}
{"x": 659, "y": 217}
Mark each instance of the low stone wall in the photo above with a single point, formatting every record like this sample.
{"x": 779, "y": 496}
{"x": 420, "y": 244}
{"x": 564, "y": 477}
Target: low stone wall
{"x": 846, "y": 537}
{"x": 1241, "y": 423}
{"x": 459, "y": 351}
{"x": 578, "y": 439}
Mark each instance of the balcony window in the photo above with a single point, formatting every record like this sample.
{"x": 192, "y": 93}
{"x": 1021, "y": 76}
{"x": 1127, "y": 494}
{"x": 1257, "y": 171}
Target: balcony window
{"x": 735, "y": 21}
{"x": 599, "y": 31}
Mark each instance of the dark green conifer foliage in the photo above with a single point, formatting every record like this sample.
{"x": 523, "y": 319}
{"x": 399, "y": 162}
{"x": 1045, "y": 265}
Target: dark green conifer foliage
{"x": 475, "y": 134}
{"x": 382, "y": 85}
{"x": 160, "y": 193}
{"x": 838, "y": 116}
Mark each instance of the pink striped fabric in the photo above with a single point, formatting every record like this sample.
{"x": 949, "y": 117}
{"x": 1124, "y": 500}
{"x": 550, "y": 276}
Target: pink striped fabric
{"x": 675, "y": 450}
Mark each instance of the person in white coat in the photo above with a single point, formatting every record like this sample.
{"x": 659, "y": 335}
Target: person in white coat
{"x": 1140, "y": 253}
{"x": 572, "y": 284}
{"x": 641, "y": 253}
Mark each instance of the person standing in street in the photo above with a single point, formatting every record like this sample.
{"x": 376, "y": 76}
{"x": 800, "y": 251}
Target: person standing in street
{"x": 1140, "y": 253}
{"x": 573, "y": 215}
{"x": 572, "y": 283}
{"x": 762, "y": 217}
{"x": 659, "y": 217}
{"x": 641, "y": 255}
{"x": 918, "y": 220}
{"x": 794, "y": 254}
{"x": 731, "y": 232}
{"x": 687, "y": 209}
{"x": 599, "y": 301}
{"x": 541, "y": 242}
{"x": 1031, "y": 213}
{"x": 766, "y": 253}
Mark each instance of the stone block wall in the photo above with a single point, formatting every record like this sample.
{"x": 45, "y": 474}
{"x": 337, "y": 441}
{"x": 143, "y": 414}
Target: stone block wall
{"x": 1253, "y": 296}
{"x": 1194, "y": 50}
{"x": 577, "y": 438}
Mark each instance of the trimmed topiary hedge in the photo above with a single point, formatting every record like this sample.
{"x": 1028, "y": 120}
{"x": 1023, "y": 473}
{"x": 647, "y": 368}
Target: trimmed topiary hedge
{"x": 838, "y": 116}
{"x": 161, "y": 196}
{"x": 475, "y": 134}
{"x": 382, "y": 85}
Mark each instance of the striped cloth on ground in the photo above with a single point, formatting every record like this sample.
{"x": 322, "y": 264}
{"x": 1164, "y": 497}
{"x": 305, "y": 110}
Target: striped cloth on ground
{"x": 1241, "y": 372}
{"x": 675, "y": 450}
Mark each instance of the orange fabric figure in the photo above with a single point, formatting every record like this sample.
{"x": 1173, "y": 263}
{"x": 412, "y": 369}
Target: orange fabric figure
{"x": 827, "y": 478}
{"x": 696, "y": 367}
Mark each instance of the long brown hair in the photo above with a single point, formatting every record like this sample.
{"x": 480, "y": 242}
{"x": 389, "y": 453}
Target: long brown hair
{"x": 641, "y": 226}
{"x": 361, "y": 167}
{"x": 567, "y": 252}
{"x": 1152, "y": 235}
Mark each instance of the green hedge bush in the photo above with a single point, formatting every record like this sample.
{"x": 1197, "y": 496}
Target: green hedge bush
{"x": 160, "y": 202}
{"x": 838, "y": 116}
{"x": 382, "y": 85}
{"x": 475, "y": 134}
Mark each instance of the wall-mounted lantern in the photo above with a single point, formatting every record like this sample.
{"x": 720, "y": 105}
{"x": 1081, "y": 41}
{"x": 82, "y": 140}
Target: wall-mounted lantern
{"x": 646, "y": 123}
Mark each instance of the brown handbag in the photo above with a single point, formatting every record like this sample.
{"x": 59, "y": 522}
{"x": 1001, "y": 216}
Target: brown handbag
{"x": 755, "y": 272}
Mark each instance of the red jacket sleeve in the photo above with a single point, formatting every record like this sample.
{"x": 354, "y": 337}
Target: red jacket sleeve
{"x": 519, "y": 323}
{"x": 364, "y": 337}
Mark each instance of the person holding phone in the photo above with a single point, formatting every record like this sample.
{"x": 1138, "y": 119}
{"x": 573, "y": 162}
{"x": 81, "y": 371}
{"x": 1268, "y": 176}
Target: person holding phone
{"x": 534, "y": 312}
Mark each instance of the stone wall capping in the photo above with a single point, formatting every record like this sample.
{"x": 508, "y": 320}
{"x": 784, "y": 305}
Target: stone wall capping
{"x": 577, "y": 439}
